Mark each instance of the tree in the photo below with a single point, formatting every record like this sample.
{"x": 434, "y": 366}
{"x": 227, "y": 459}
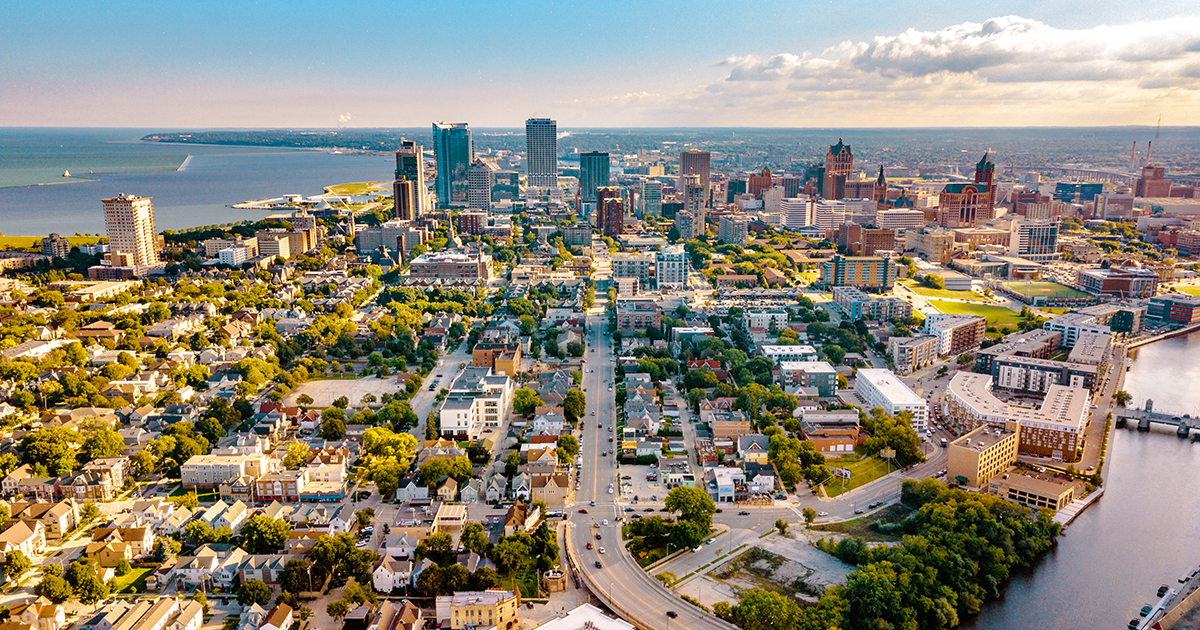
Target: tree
{"x": 782, "y": 526}
{"x": 89, "y": 512}
{"x": 768, "y": 610}
{"x": 297, "y": 455}
{"x": 338, "y": 608}
{"x": 254, "y": 591}
{"x": 575, "y": 349}
{"x": 429, "y": 583}
{"x": 574, "y": 405}
{"x": 809, "y": 515}
{"x": 166, "y": 548}
{"x": 434, "y": 470}
{"x": 526, "y": 401}
{"x": 687, "y": 534}
{"x": 295, "y": 578}
{"x": 474, "y": 538}
{"x": 386, "y": 472}
{"x": 304, "y": 400}
{"x": 198, "y": 532}
{"x": 123, "y": 567}
{"x": 568, "y": 448}
{"x": 142, "y": 463}
{"x": 263, "y": 534}
{"x": 1122, "y": 397}
{"x": 484, "y": 578}
{"x": 52, "y": 447}
{"x": 102, "y": 443}
{"x": 333, "y": 427}
{"x": 54, "y": 588}
{"x": 86, "y": 583}
{"x": 509, "y": 555}
{"x": 692, "y": 504}
{"x": 439, "y": 542}
{"x": 16, "y": 564}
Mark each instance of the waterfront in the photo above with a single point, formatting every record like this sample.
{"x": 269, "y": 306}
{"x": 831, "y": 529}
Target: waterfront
{"x": 1140, "y": 534}
{"x": 199, "y": 193}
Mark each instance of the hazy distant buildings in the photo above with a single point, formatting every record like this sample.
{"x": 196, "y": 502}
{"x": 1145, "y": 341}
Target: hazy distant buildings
{"x": 454, "y": 151}
{"x": 541, "y": 152}
{"x": 132, "y": 240}
{"x": 594, "y": 173}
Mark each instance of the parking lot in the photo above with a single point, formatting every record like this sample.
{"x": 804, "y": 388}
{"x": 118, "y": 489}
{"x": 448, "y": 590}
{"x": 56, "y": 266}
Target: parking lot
{"x": 324, "y": 393}
{"x": 639, "y": 487}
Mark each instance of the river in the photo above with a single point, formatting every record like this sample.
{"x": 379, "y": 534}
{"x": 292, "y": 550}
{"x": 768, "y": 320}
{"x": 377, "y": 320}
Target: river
{"x": 1140, "y": 534}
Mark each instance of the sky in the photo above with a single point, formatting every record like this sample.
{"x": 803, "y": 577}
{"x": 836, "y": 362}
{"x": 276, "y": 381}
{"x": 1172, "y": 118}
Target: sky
{"x": 676, "y": 63}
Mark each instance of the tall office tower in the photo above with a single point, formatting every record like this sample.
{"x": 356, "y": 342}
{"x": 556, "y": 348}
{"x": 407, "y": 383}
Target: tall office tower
{"x": 694, "y": 196}
{"x": 407, "y": 199}
{"x": 129, "y": 221}
{"x": 481, "y": 175}
{"x": 410, "y": 165}
{"x": 651, "y": 198}
{"x": 1036, "y": 240}
{"x": 593, "y": 173}
{"x": 759, "y": 182}
{"x": 969, "y": 205}
{"x": 612, "y": 215}
{"x": 603, "y": 194}
{"x": 694, "y": 162}
{"x": 541, "y": 152}
{"x": 839, "y": 164}
{"x": 797, "y": 212}
{"x": 454, "y": 151}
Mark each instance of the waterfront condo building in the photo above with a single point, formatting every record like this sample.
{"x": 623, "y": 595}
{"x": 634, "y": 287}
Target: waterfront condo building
{"x": 454, "y": 151}
{"x": 880, "y": 388}
{"x": 593, "y": 174}
{"x": 56, "y": 246}
{"x": 864, "y": 272}
{"x": 410, "y": 167}
{"x": 132, "y": 240}
{"x": 956, "y": 334}
{"x": 1055, "y": 429}
{"x": 982, "y": 454}
{"x": 541, "y": 152}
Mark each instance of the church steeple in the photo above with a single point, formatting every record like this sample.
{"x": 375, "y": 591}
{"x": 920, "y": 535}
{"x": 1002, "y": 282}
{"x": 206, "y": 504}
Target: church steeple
{"x": 881, "y": 181}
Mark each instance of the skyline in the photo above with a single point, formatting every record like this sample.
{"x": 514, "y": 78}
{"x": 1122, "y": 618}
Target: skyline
{"x": 856, "y": 65}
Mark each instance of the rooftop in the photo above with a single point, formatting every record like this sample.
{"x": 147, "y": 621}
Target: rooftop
{"x": 891, "y": 387}
{"x": 982, "y": 438}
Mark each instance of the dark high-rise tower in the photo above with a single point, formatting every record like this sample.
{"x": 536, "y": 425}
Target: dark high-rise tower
{"x": 839, "y": 164}
{"x": 696, "y": 163}
{"x": 454, "y": 151}
{"x": 593, "y": 173}
{"x": 541, "y": 152}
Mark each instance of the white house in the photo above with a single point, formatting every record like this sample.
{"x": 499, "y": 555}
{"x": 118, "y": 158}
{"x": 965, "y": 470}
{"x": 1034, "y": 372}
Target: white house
{"x": 391, "y": 573}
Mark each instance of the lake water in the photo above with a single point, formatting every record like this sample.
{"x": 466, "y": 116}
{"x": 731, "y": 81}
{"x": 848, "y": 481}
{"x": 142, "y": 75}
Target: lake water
{"x": 199, "y": 193}
{"x": 1140, "y": 534}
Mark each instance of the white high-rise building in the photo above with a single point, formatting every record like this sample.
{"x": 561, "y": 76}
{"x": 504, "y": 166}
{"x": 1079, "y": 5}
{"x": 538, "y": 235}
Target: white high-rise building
{"x": 541, "y": 152}
{"x": 829, "y": 214}
{"x": 651, "y": 198}
{"x": 772, "y": 199}
{"x": 733, "y": 230}
{"x": 671, "y": 267}
{"x": 796, "y": 212}
{"x": 129, "y": 221}
{"x": 880, "y": 388}
{"x": 480, "y": 177}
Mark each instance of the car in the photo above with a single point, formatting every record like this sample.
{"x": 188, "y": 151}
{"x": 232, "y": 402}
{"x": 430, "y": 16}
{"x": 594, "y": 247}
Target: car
{"x": 628, "y": 509}
{"x": 610, "y": 438}
{"x": 605, "y": 454}
{"x": 601, "y": 550}
{"x": 605, "y": 523}
{"x": 589, "y": 545}
{"x": 583, "y": 510}
{"x": 593, "y": 413}
{"x": 711, "y": 541}
{"x": 626, "y": 477}
{"x": 720, "y": 511}
{"x": 598, "y": 565}
{"x": 744, "y": 513}
{"x": 822, "y": 513}
{"x": 672, "y": 614}
{"x": 591, "y": 504}
{"x": 858, "y": 511}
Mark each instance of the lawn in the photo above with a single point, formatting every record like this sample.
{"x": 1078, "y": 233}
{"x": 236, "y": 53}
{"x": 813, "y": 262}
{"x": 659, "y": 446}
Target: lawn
{"x": 941, "y": 293}
{"x": 132, "y": 582}
{"x": 30, "y": 242}
{"x": 355, "y": 188}
{"x": 995, "y": 315}
{"x": 861, "y": 527}
{"x": 1187, "y": 289}
{"x": 862, "y": 472}
{"x": 1045, "y": 289}
{"x": 810, "y": 276}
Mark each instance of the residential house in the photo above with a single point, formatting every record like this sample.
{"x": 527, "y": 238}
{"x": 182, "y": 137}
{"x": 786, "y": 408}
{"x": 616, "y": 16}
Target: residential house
{"x": 754, "y": 448}
{"x": 391, "y": 573}
{"x": 400, "y": 545}
{"x": 551, "y": 489}
{"x": 59, "y": 518}
{"x": 28, "y": 537}
{"x": 520, "y": 486}
{"x": 521, "y": 518}
{"x": 278, "y": 618}
{"x": 40, "y": 614}
{"x": 108, "y": 554}
{"x": 410, "y": 489}
{"x": 139, "y": 539}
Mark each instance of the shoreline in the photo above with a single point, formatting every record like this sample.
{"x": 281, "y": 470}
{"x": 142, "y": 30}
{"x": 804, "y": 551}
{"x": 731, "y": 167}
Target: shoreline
{"x": 79, "y": 179}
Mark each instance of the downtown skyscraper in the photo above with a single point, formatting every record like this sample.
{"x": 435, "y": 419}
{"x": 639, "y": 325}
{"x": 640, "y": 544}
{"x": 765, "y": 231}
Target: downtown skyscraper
{"x": 454, "y": 151}
{"x": 593, "y": 173}
{"x": 541, "y": 152}
{"x": 411, "y": 196}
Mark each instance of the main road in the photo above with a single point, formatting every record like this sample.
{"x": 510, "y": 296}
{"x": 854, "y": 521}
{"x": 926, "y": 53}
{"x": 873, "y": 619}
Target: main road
{"x": 618, "y": 581}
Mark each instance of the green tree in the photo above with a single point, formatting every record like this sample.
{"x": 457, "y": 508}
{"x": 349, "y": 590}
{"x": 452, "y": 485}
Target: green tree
{"x": 574, "y": 405}
{"x": 86, "y": 583}
{"x": 16, "y": 564}
{"x": 509, "y": 555}
{"x": 810, "y": 515}
{"x": 333, "y": 427}
{"x": 782, "y": 526}
{"x": 142, "y": 463}
{"x": 297, "y": 455}
{"x": 1122, "y": 397}
{"x": 525, "y": 401}
{"x": 304, "y": 400}
{"x": 474, "y": 538}
{"x": 693, "y": 505}
{"x": 484, "y": 578}
{"x": 262, "y": 534}
{"x": 166, "y": 548}
{"x": 337, "y": 609}
{"x": 568, "y": 448}
{"x": 295, "y": 578}
{"x": 54, "y": 588}
{"x": 254, "y": 591}
{"x": 123, "y": 567}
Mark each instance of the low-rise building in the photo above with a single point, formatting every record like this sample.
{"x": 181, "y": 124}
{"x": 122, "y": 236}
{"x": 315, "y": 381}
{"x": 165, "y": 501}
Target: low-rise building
{"x": 880, "y": 388}
{"x": 859, "y": 305}
{"x": 479, "y": 609}
{"x": 910, "y": 354}
{"x": 984, "y": 453}
{"x": 816, "y": 374}
{"x": 956, "y": 334}
{"x": 1056, "y": 429}
{"x": 638, "y": 314}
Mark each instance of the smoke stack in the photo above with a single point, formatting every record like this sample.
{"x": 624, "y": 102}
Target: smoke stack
{"x": 1133, "y": 156}
{"x": 1148, "y": 143}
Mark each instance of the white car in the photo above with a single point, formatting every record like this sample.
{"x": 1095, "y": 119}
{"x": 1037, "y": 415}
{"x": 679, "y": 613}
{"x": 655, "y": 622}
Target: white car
{"x": 822, "y": 513}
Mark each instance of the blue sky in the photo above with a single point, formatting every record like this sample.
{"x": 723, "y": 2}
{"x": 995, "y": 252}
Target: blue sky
{"x": 766, "y": 63}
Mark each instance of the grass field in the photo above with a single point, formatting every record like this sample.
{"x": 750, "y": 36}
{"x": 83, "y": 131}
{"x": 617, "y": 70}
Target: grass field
{"x": 356, "y": 188}
{"x": 861, "y": 527}
{"x": 1045, "y": 289}
{"x": 995, "y": 315}
{"x": 29, "y": 242}
{"x": 810, "y": 276}
{"x": 132, "y": 582}
{"x": 1187, "y": 289}
{"x": 862, "y": 472}
{"x": 941, "y": 293}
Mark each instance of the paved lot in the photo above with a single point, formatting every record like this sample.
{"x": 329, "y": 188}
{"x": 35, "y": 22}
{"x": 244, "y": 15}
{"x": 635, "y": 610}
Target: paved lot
{"x": 324, "y": 393}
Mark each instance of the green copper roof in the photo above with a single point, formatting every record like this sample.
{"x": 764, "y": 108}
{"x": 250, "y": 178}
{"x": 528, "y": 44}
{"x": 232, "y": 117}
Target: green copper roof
{"x": 837, "y": 149}
{"x": 985, "y": 162}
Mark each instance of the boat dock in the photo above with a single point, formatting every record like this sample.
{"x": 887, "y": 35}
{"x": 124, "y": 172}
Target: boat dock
{"x": 1172, "y": 611}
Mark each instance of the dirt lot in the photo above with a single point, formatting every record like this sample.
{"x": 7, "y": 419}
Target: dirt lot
{"x": 325, "y": 392}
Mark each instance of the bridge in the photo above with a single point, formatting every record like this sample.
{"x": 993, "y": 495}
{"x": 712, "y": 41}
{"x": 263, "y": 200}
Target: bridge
{"x": 1183, "y": 423}
{"x": 1098, "y": 175}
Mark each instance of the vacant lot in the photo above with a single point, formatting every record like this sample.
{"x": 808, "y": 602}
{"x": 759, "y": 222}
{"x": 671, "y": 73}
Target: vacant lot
{"x": 1045, "y": 289}
{"x": 862, "y": 472}
{"x": 30, "y": 242}
{"x": 324, "y": 393}
{"x": 995, "y": 315}
{"x": 357, "y": 188}
{"x": 941, "y": 293}
{"x": 785, "y": 565}
{"x": 861, "y": 527}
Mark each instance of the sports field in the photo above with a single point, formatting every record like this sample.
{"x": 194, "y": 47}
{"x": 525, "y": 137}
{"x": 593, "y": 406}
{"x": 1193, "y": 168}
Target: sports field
{"x": 917, "y": 288}
{"x": 1045, "y": 289}
{"x": 995, "y": 315}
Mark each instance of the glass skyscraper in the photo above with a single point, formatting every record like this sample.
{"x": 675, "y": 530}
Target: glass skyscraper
{"x": 452, "y": 146}
{"x": 541, "y": 152}
{"x": 593, "y": 173}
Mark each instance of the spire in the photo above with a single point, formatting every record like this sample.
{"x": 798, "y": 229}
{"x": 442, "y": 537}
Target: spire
{"x": 986, "y": 161}
{"x": 881, "y": 181}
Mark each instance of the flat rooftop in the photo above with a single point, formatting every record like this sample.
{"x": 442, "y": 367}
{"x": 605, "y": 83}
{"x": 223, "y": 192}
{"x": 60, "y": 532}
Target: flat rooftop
{"x": 890, "y": 386}
{"x": 982, "y": 438}
{"x": 1062, "y": 407}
